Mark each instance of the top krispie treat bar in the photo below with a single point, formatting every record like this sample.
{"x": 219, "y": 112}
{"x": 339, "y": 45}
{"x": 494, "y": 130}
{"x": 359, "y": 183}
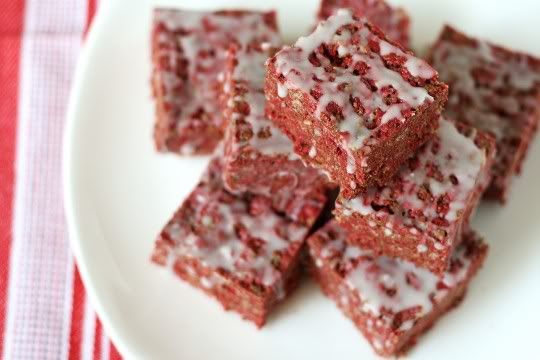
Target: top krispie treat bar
{"x": 354, "y": 103}
{"x": 493, "y": 89}
{"x": 259, "y": 157}
{"x": 394, "y": 22}
{"x": 188, "y": 55}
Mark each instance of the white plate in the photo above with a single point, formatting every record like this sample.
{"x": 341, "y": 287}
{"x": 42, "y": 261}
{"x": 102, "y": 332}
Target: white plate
{"x": 119, "y": 192}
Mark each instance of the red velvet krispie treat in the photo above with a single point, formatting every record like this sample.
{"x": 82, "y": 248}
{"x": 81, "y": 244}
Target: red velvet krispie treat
{"x": 493, "y": 89}
{"x": 259, "y": 157}
{"x": 390, "y": 301}
{"x": 235, "y": 248}
{"x": 420, "y": 214}
{"x": 394, "y": 22}
{"x": 354, "y": 103}
{"x": 188, "y": 56}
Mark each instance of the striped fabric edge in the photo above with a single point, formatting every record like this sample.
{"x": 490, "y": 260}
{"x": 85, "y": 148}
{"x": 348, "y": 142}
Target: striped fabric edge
{"x": 11, "y": 23}
{"x": 81, "y": 332}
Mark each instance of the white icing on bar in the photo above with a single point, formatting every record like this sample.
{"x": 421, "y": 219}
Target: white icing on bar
{"x": 342, "y": 51}
{"x": 393, "y": 112}
{"x": 282, "y": 90}
{"x": 389, "y": 284}
{"x": 186, "y": 149}
{"x": 422, "y": 248}
{"x": 387, "y": 49}
{"x": 351, "y": 162}
{"x": 459, "y": 156}
{"x": 223, "y": 226}
{"x": 206, "y": 283}
{"x": 415, "y": 66}
{"x": 249, "y": 75}
{"x": 357, "y": 205}
{"x": 419, "y": 68}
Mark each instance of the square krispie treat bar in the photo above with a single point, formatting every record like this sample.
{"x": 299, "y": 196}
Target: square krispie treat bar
{"x": 235, "y": 248}
{"x": 259, "y": 157}
{"x": 390, "y": 301}
{"x": 354, "y": 103}
{"x": 419, "y": 216}
{"x": 188, "y": 56}
{"x": 394, "y": 22}
{"x": 493, "y": 89}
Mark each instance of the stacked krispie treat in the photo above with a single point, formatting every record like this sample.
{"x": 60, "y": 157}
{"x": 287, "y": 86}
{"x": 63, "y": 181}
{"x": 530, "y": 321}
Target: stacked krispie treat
{"x": 240, "y": 234}
{"x": 368, "y": 112}
{"x": 412, "y": 148}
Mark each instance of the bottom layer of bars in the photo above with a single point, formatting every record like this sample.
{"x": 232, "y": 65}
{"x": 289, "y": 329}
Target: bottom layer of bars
{"x": 390, "y": 301}
{"x": 236, "y": 248}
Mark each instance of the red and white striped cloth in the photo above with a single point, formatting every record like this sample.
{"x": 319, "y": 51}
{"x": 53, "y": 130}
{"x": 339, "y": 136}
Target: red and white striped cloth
{"x": 44, "y": 312}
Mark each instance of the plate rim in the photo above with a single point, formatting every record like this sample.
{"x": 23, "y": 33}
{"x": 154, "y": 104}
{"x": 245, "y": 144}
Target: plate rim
{"x": 90, "y": 41}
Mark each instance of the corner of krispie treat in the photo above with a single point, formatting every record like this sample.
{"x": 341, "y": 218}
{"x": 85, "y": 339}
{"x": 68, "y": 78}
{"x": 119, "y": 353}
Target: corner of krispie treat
{"x": 420, "y": 215}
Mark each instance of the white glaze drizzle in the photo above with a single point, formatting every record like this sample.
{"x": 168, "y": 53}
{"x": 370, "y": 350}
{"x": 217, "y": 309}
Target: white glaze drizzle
{"x": 457, "y": 155}
{"x": 219, "y": 245}
{"x": 249, "y": 73}
{"x": 370, "y": 275}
